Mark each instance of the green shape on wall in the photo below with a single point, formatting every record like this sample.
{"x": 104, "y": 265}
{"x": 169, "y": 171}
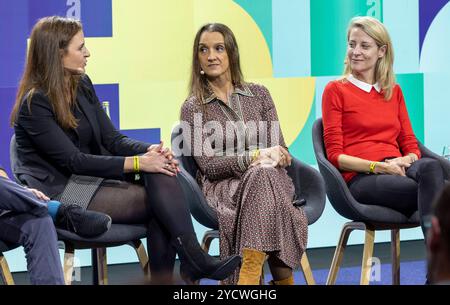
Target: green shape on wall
{"x": 329, "y": 22}
{"x": 261, "y": 12}
{"x": 302, "y": 147}
{"x": 412, "y": 87}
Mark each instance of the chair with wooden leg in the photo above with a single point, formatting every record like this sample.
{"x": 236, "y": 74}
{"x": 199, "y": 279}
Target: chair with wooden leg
{"x": 117, "y": 235}
{"x": 308, "y": 182}
{"x": 368, "y": 218}
{"x": 5, "y": 274}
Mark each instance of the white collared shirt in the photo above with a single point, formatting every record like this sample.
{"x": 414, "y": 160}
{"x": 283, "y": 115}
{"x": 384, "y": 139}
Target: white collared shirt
{"x": 363, "y": 85}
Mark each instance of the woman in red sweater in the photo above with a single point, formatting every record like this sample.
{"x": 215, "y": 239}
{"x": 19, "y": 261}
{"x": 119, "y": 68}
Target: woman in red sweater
{"x": 367, "y": 131}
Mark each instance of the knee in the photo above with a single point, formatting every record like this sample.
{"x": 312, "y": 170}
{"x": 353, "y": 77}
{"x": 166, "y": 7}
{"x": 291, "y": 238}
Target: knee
{"x": 39, "y": 228}
{"x": 430, "y": 166}
{"x": 157, "y": 180}
{"x": 261, "y": 171}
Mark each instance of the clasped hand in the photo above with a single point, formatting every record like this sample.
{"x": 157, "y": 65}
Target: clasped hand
{"x": 276, "y": 156}
{"x": 158, "y": 159}
{"x": 396, "y": 166}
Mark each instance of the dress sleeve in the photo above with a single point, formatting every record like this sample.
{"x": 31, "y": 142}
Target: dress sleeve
{"x": 212, "y": 166}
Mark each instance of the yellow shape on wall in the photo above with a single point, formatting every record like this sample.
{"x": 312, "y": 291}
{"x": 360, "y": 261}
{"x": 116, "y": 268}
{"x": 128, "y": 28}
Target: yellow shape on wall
{"x": 293, "y": 99}
{"x": 150, "y": 54}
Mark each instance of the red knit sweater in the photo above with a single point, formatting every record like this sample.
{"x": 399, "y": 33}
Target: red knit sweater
{"x": 365, "y": 125}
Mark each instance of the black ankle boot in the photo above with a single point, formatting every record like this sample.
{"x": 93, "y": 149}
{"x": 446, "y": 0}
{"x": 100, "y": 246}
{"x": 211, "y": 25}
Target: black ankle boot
{"x": 196, "y": 264}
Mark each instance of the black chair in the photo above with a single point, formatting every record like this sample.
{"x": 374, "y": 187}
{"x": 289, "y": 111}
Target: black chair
{"x": 4, "y": 269}
{"x": 117, "y": 235}
{"x": 308, "y": 183}
{"x": 369, "y": 218}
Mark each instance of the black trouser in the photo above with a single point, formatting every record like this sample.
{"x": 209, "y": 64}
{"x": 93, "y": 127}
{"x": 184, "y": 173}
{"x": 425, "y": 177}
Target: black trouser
{"x": 424, "y": 180}
{"x": 158, "y": 201}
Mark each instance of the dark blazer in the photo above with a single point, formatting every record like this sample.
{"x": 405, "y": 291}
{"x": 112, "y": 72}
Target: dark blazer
{"x": 48, "y": 154}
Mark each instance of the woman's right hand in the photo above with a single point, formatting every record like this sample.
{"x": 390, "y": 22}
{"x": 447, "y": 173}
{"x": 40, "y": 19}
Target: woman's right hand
{"x": 276, "y": 156}
{"x": 155, "y": 162}
{"x": 389, "y": 168}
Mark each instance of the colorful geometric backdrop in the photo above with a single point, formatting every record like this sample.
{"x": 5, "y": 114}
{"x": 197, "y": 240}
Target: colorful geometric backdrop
{"x": 141, "y": 53}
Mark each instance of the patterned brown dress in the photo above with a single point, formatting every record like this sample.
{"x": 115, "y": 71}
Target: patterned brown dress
{"x": 253, "y": 204}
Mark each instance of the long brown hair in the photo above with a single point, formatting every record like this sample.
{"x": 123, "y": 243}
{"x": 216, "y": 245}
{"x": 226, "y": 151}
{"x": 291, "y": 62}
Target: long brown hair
{"x": 198, "y": 83}
{"x": 44, "y": 70}
{"x": 384, "y": 71}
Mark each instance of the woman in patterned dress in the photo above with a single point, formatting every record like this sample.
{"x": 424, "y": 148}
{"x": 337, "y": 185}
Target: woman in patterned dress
{"x": 238, "y": 146}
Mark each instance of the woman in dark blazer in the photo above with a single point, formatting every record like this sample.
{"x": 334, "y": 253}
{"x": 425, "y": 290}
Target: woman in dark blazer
{"x": 69, "y": 149}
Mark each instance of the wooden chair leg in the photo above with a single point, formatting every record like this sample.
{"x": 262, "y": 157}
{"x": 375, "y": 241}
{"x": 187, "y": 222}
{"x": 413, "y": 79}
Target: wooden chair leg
{"x": 102, "y": 266}
{"x": 142, "y": 255}
{"x": 395, "y": 250}
{"x": 306, "y": 268}
{"x": 339, "y": 252}
{"x": 367, "y": 257}
{"x": 208, "y": 238}
{"x": 68, "y": 264}
{"x": 4, "y": 271}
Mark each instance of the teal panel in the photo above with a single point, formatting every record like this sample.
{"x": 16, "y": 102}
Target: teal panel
{"x": 302, "y": 147}
{"x": 261, "y": 12}
{"x": 412, "y": 87}
{"x": 437, "y": 111}
{"x": 404, "y": 34}
{"x": 329, "y": 22}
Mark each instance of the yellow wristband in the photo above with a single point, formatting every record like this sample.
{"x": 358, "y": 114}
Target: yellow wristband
{"x": 255, "y": 154}
{"x": 136, "y": 164}
{"x": 372, "y": 167}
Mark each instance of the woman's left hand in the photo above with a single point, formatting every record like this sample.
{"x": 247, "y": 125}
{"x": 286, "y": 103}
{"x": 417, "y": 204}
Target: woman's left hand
{"x": 167, "y": 153}
{"x": 403, "y": 162}
{"x": 39, "y": 194}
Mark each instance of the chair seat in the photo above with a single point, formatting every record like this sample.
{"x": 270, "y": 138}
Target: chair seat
{"x": 118, "y": 234}
{"x": 380, "y": 214}
{"x": 5, "y": 246}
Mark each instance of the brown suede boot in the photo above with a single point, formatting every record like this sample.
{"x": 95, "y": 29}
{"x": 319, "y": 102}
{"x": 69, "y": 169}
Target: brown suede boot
{"x": 252, "y": 264}
{"x": 286, "y": 281}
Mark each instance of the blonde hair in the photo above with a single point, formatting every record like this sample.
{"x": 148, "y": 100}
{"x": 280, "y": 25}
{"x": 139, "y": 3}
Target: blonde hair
{"x": 384, "y": 71}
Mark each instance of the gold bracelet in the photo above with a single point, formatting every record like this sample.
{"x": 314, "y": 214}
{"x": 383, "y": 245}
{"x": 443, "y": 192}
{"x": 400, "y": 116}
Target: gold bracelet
{"x": 136, "y": 164}
{"x": 372, "y": 167}
{"x": 255, "y": 154}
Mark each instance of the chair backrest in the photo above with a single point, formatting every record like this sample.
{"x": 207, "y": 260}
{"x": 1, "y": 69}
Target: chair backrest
{"x": 339, "y": 194}
{"x": 445, "y": 164}
{"x": 308, "y": 182}
{"x": 198, "y": 205}
{"x": 309, "y": 185}
{"x": 6, "y": 246}
{"x": 13, "y": 159}
{"x": 336, "y": 188}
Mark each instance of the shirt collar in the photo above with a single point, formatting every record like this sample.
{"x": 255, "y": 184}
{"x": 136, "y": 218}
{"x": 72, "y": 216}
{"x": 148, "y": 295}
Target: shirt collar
{"x": 363, "y": 85}
{"x": 239, "y": 89}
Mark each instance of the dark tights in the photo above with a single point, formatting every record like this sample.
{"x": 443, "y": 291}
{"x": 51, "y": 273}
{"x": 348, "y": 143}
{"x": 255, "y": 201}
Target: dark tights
{"x": 158, "y": 202}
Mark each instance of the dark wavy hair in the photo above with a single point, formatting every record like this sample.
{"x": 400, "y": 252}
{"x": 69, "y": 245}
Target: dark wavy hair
{"x": 44, "y": 69}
